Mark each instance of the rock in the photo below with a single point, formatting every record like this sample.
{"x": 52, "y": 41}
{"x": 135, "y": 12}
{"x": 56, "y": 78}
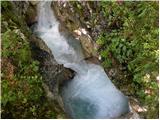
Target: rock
{"x": 73, "y": 25}
{"x": 86, "y": 42}
{"x": 87, "y": 45}
{"x": 93, "y": 60}
{"x": 31, "y": 14}
{"x": 27, "y": 9}
{"x": 21, "y": 7}
{"x": 53, "y": 74}
{"x": 40, "y": 43}
{"x": 34, "y": 2}
{"x": 133, "y": 114}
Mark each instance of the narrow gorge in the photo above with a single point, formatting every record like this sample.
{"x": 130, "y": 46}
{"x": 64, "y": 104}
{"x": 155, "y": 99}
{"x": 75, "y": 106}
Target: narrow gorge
{"x": 79, "y": 59}
{"x": 90, "y": 94}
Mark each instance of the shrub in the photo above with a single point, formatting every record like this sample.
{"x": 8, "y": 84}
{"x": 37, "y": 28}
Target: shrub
{"x": 133, "y": 42}
{"x": 22, "y": 92}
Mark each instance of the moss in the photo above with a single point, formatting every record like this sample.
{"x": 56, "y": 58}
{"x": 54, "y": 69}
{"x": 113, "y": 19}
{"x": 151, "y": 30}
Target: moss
{"x": 6, "y": 5}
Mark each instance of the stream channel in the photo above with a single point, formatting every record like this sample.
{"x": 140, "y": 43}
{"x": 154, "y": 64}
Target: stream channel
{"x": 90, "y": 94}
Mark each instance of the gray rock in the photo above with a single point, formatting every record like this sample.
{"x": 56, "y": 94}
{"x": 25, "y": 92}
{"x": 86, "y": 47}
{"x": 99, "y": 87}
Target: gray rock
{"x": 53, "y": 74}
{"x": 21, "y": 7}
{"x": 27, "y": 10}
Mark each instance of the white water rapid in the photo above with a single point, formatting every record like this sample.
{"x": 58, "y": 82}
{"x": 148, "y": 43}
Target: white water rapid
{"x": 90, "y": 94}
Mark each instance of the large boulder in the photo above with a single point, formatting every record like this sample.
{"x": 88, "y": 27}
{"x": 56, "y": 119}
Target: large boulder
{"x": 68, "y": 18}
{"x": 31, "y": 13}
{"x": 27, "y": 10}
{"x": 53, "y": 74}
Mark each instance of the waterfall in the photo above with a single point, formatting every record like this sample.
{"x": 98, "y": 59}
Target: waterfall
{"x": 90, "y": 94}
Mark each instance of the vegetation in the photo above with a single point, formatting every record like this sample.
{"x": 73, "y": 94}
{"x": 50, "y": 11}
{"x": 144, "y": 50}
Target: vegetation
{"x": 133, "y": 42}
{"x": 129, "y": 36}
{"x": 22, "y": 92}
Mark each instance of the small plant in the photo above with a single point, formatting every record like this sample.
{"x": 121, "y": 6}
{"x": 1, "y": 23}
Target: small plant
{"x": 133, "y": 42}
{"x": 22, "y": 94}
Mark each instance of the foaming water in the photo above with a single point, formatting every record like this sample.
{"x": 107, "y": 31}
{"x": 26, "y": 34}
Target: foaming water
{"x": 90, "y": 94}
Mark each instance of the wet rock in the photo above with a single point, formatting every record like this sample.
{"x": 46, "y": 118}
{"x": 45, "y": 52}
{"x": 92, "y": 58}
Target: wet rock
{"x": 69, "y": 18}
{"x": 53, "y": 74}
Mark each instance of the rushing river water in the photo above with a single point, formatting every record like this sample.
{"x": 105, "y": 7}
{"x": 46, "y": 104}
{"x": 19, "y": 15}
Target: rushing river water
{"x": 90, "y": 94}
